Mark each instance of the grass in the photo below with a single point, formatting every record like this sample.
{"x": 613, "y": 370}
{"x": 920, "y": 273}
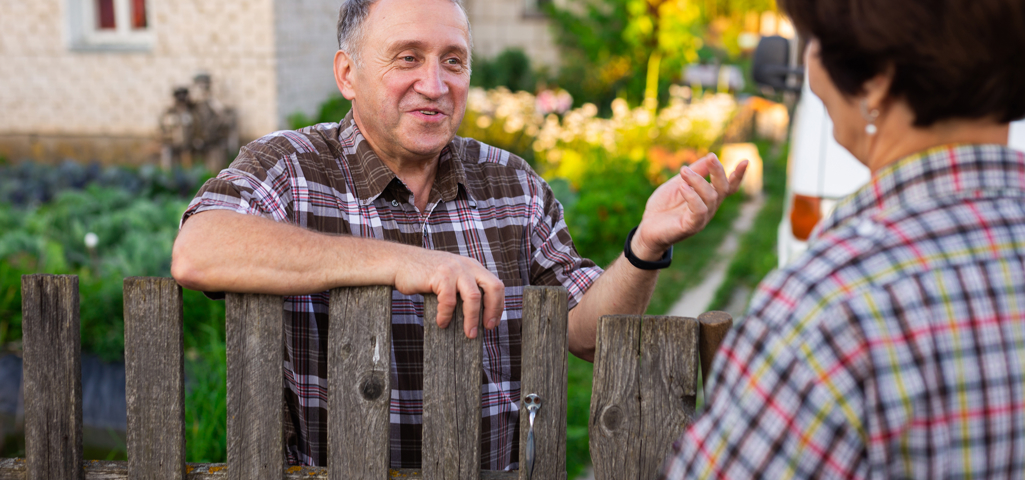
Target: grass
{"x": 756, "y": 254}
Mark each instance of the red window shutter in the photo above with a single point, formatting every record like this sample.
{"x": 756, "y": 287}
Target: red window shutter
{"x": 139, "y": 14}
{"x": 105, "y": 15}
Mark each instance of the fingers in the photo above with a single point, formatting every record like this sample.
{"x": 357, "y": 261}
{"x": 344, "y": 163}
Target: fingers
{"x": 494, "y": 300}
{"x": 471, "y": 297}
{"x": 705, "y": 190}
{"x": 737, "y": 176}
{"x": 703, "y": 164}
{"x": 694, "y": 201}
{"x": 446, "y": 304}
{"x": 481, "y": 292}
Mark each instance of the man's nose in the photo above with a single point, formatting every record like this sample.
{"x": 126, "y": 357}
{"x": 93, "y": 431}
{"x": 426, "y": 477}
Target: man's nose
{"x": 431, "y": 83}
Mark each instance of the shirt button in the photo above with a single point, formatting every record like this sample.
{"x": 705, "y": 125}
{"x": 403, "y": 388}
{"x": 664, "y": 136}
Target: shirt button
{"x": 394, "y": 203}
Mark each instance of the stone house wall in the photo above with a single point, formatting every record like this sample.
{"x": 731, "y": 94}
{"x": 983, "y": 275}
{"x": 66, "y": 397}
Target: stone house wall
{"x": 61, "y": 98}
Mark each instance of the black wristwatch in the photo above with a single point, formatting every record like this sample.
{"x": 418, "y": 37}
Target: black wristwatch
{"x": 667, "y": 258}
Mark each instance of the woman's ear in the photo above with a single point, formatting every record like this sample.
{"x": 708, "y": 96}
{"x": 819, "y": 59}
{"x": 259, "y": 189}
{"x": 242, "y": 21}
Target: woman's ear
{"x": 877, "y": 88}
{"x": 345, "y": 75}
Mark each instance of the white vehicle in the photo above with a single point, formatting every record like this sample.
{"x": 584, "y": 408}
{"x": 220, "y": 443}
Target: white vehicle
{"x": 820, "y": 173}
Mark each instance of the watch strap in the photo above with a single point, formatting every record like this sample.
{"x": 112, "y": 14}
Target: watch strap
{"x": 665, "y": 261}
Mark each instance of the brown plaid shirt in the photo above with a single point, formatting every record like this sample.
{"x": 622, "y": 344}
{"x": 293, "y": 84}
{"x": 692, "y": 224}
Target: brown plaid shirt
{"x": 485, "y": 204}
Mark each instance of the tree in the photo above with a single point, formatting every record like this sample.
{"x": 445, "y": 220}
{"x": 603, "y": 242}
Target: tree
{"x": 634, "y": 48}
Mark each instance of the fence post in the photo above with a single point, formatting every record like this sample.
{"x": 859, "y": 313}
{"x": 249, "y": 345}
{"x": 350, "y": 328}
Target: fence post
{"x": 53, "y": 376}
{"x": 645, "y": 375}
{"x": 544, "y": 370}
{"x": 155, "y": 378}
{"x": 714, "y": 327}
{"x": 255, "y": 354}
{"x": 668, "y": 386}
{"x": 359, "y": 382}
{"x": 615, "y": 404}
{"x": 452, "y": 397}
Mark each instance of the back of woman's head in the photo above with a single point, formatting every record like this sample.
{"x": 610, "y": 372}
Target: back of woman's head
{"x": 950, "y": 58}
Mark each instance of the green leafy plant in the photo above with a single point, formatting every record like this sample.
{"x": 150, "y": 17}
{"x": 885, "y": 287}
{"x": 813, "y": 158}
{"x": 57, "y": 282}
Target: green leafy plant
{"x": 510, "y": 69}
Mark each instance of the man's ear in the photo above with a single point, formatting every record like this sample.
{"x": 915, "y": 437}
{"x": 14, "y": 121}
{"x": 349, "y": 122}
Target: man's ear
{"x": 345, "y": 75}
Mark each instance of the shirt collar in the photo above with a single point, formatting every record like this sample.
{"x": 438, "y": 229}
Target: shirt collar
{"x": 959, "y": 171}
{"x": 371, "y": 176}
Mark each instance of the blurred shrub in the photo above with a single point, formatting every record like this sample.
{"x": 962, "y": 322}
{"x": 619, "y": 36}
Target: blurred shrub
{"x": 45, "y": 214}
{"x": 510, "y": 69}
{"x": 29, "y": 183}
{"x": 332, "y": 110}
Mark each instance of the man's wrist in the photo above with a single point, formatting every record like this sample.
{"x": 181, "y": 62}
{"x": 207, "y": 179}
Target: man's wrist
{"x": 643, "y": 257}
{"x": 643, "y": 250}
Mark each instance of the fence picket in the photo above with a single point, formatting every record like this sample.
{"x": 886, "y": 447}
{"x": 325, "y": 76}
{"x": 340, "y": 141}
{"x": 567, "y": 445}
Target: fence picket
{"x": 615, "y": 405}
{"x": 645, "y": 379}
{"x": 155, "y": 378}
{"x": 668, "y": 383}
{"x": 53, "y": 376}
{"x": 714, "y": 327}
{"x": 544, "y": 372}
{"x": 452, "y": 397}
{"x": 359, "y": 379}
{"x": 255, "y": 353}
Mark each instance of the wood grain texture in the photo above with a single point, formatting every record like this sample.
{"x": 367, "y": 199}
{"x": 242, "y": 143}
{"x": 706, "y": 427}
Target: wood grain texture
{"x": 544, "y": 372}
{"x": 668, "y": 383}
{"x": 615, "y": 429}
{"x": 452, "y": 397}
{"x": 17, "y": 469}
{"x": 359, "y": 379}
{"x": 714, "y": 327}
{"x": 52, "y": 376}
{"x": 154, "y": 378}
{"x": 255, "y": 345}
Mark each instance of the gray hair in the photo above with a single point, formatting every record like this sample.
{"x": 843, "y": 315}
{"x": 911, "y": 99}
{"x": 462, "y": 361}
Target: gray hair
{"x": 352, "y": 18}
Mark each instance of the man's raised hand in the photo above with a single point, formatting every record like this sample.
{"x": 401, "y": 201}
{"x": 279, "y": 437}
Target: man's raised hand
{"x": 683, "y": 205}
{"x": 446, "y": 275}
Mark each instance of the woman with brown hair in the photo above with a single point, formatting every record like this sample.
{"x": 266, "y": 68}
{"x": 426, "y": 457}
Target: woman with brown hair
{"x": 895, "y": 347}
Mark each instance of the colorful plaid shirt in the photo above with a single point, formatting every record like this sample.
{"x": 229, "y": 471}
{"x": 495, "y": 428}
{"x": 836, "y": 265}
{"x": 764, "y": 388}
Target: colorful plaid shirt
{"x": 485, "y": 204}
{"x": 894, "y": 347}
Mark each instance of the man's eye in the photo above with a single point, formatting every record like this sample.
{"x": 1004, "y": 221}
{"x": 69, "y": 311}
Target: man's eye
{"x": 409, "y": 58}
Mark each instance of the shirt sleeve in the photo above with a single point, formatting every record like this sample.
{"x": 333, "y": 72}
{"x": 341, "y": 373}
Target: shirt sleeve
{"x": 785, "y": 403}
{"x": 256, "y": 183}
{"x": 554, "y": 260}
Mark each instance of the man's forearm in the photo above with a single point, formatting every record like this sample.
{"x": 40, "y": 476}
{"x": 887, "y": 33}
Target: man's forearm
{"x": 622, "y": 289}
{"x": 227, "y": 251}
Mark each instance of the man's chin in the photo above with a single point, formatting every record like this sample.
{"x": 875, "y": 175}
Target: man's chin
{"x": 425, "y": 145}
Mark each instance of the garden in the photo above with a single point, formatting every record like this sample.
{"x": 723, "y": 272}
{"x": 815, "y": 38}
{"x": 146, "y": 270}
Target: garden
{"x": 603, "y": 144}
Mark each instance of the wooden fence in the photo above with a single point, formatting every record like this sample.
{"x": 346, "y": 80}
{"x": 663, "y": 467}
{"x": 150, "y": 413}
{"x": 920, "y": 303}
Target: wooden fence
{"x": 643, "y": 395}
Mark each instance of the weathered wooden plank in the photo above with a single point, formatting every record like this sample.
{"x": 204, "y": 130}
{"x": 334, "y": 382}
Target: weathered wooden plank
{"x": 668, "y": 383}
{"x": 53, "y": 376}
{"x": 255, "y": 345}
{"x": 359, "y": 379}
{"x": 452, "y": 397}
{"x": 544, "y": 372}
{"x": 714, "y": 327}
{"x": 615, "y": 429}
{"x": 155, "y": 378}
{"x": 17, "y": 469}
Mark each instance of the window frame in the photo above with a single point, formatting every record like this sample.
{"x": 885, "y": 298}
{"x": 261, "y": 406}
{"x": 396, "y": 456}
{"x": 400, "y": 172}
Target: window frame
{"x": 85, "y": 36}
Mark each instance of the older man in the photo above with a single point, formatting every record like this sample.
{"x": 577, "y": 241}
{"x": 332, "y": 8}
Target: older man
{"x": 390, "y": 196}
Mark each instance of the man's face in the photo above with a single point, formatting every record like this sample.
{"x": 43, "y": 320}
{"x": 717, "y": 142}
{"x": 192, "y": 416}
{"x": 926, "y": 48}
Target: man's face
{"x": 409, "y": 93}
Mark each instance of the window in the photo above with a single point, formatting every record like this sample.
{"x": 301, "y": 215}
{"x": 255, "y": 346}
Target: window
{"x": 109, "y": 25}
